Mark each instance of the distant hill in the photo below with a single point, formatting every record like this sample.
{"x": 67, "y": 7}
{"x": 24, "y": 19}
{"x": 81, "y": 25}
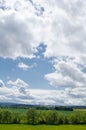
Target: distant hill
{"x": 17, "y": 105}
{"x": 3, "y": 104}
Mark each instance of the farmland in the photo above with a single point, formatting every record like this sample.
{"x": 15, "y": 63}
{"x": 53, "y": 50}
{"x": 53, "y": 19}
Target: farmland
{"x": 23, "y": 111}
{"x": 42, "y": 127}
{"x": 17, "y": 110}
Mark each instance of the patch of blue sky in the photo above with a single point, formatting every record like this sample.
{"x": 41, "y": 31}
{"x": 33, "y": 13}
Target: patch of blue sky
{"x": 33, "y": 76}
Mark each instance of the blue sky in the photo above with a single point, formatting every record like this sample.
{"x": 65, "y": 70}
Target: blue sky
{"x": 43, "y": 52}
{"x": 34, "y": 75}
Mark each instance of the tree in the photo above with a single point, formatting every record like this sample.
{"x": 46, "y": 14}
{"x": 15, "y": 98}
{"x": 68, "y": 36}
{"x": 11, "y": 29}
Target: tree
{"x": 0, "y": 117}
{"x": 6, "y": 117}
{"x": 32, "y": 116}
{"x": 52, "y": 118}
{"x": 15, "y": 118}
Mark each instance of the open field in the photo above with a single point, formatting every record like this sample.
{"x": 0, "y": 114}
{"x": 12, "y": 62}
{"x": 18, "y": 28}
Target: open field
{"x": 24, "y": 110}
{"x": 17, "y": 110}
{"x": 42, "y": 127}
{"x": 79, "y": 110}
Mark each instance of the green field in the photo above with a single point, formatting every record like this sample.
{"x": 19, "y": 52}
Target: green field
{"x": 79, "y": 110}
{"x": 17, "y": 110}
{"x": 42, "y": 127}
{"x": 24, "y": 110}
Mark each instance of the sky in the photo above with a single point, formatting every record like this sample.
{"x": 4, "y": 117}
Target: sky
{"x": 43, "y": 52}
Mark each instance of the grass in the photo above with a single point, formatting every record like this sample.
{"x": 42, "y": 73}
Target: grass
{"x": 24, "y": 110}
{"x": 80, "y": 110}
{"x": 42, "y": 127}
{"x": 16, "y": 110}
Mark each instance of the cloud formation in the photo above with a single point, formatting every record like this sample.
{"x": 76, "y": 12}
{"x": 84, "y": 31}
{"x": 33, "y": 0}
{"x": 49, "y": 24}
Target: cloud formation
{"x": 67, "y": 74}
{"x": 23, "y": 66}
{"x": 2, "y": 83}
{"x": 20, "y": 85}
{"x": 11, "y": 92}
{"x": 60, "y": 26}
{"x": 20, "y": 29}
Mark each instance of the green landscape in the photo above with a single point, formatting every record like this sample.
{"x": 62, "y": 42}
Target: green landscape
{"x": 42, "y": 127}
{"x": 42, "y": 119}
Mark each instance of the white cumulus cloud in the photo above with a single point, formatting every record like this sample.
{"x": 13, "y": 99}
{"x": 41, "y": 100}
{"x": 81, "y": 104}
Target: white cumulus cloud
{"x": 20, "y": 29}
{"x": 23, "y": 66}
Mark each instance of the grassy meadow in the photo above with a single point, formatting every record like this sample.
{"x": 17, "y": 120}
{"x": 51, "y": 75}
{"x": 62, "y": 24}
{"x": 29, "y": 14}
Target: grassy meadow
{"x": 24, "y": 110}
{"x": 42, "y": 127}
{"x": 17, "y": 110}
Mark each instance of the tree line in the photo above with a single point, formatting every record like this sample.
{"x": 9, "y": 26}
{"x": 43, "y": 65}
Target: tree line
{"x": 48, "y": 117}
